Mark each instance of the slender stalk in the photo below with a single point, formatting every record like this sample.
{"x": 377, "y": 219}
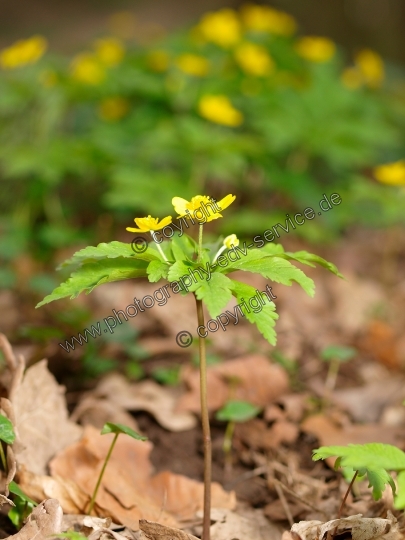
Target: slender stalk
{"x": 93, "y": 498}
{"x": 205, "y": 427}
{"x": 227, "y": 449}
{"x": 200, "y": 237}
{"x": 347, "y": 494}
{"x": 3, "y": 457}
{"x": 158, "y": 246}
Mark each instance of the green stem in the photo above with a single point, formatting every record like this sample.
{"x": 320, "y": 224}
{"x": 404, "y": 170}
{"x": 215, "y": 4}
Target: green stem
{"x": 205, "y": 427}
{"x": 93, "y": 499}
{"x": 158, "y": 246}
{"x": 3, "y": 457}
{"x": 200, "y": 237}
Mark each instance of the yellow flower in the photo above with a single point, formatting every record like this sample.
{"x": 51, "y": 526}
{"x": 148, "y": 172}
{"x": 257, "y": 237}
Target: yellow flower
{"x": 220, "y": 27}
{"x": 316, "y": 49}
{"x": 193, "y": 64}
{"x": 230, "y": 241}
{"x": 87, "y": 69}
{"x": 110, "y": 51}
{"x": 158, "y": 60}
{"x": 371, "y": 67}
{"x": 351, "y": 78}
{"x": 254, "y": 59}
{"x": 23, "y": 52}
{"x": 266, "y": 19}
{"x": 219, "y": 109}
{"x": 201, "y": 203}
{"x": 113, "y": 108}
{"x": 391, "y": 173}
{"x": 149, "y": 223}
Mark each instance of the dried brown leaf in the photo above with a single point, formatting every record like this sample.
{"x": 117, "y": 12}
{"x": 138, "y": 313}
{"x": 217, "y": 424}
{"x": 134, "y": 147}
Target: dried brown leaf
{"x": 45, "y": 520}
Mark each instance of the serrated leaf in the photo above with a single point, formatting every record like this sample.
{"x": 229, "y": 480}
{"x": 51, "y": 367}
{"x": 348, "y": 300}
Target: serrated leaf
{"x": 6, "y": 430}
{"x": 237, "y": 411}
{"x": 215, "y": 293}
{"x": 183, "y": 247}
{"x": 111, "y": 250}
{"x": 309, "y": 259}
{"x": 265, "y": 320}
{"x": 15, "y": 488}
{"x": 378, "y": 478}
{"x": 157, "y": 270}
{"x": 110, "y": 427}
{"x": 90, "y": 275}
{"x": 367, "y": 456}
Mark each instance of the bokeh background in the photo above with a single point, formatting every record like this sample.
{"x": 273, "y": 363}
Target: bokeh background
{"x": 109, "y": 109}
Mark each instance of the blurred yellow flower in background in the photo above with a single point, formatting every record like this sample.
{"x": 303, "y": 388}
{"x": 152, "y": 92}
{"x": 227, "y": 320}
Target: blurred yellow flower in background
{"x": 371, "y": 67}
{"x": 391, "y": 173}
{"x": 219, "y": 109}
{"x": 110, "y": 51}
{"x": 23, "y": 52}
{"x": 193, "y": 64}
{"x": 113, "y": 108}
{"x": 86, "y": 68}
{"x": 158, "y": 60}
{"x": 220, "y": 27}
{"x": 316, "y": 49}
{"x": 351, "y": 78}
{"x": 254, "y": 59}
{"x": 267, "y": 19}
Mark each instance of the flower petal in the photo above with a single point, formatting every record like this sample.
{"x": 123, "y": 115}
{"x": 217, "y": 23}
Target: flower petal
{"x": 226, "y": 201}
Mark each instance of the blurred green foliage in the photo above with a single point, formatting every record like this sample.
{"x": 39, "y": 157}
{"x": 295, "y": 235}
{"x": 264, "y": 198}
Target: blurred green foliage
{"x": 236, "y": 103}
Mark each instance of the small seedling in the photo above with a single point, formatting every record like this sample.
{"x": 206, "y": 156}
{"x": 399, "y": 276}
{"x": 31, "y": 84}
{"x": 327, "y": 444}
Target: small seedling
{"x": 373, "y": 460}
{"x": 23, "y": 505}
{"x": 117, "y": 429}
{"x": 234, "y": 411}
{"x": 169, "y": 376}
{"x": 335, "y": 355}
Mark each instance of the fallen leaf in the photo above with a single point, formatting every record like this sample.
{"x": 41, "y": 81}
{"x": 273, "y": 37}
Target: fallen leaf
{"x": 156, "y": 531}
{"x": 41, "y": 418}
{"x": 45, "y": 520}
{"x": 242, "y": 525}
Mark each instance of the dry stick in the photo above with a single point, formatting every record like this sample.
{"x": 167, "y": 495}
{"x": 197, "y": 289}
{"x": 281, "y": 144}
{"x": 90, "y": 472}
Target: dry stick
{"x": 346, "y": 494}
{"x": 284, "y": 504}
{"x": 205, "y": 427}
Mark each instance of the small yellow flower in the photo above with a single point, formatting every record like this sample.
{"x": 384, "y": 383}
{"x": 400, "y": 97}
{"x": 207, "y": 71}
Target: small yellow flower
{"x": 220, "y": 27}
{"x": 113, "y": 108}
{"x": 254, "y": 59}
{"x": 86, "y": 68}
{"x": 351, "y": 78}
{"x": 110, "y": 51}
{"x": 391, "y": 173}
{"x": 149, "y": 223}
{"x": 371, "y": 67}
{"x": 231, "y": 241}
{"x": 158, "y": 60}
{"x": 193, "y": 64}
{"x": 219, "y": 109}
{"x": 266, "y": 19}
{"x": 316, "y": 49}
{"x": 201, "y": 203}
{"x": 23, "y": 52}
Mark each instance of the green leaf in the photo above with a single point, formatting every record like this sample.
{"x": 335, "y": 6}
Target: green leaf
{"x": 90, "y": 275}
{"x": 72, "y": 535}
{"x": 157, "y": 270}
{"x": 237, "y": 411}
{"x": 110, "y": 427}
{"x": 109, "y": 251}
{"x": 6, "y": 430}
{"x": 215, "y": 293}
{"x": 309, "y": 259}
{"x": 365, "y": 456}
{"x": 265, "y": 319}
{"x": 337, "y": 352}
{"x": 15, "y": 488}
{"x": 378, "y": 478}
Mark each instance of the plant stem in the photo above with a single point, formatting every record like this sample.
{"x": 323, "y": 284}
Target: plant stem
{"x": 93, "y": 498}
{"x": 346, "y": 494}
{"x": 200, "y": 237}
{"x": 205, "y": 427}
{"x": 158, "y": 246}
{"x": 227, "y": 448}
{"x": 3, "y": 457}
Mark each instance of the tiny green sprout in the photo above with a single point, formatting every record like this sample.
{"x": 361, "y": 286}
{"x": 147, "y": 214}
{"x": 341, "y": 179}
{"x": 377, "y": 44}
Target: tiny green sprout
{"x": 372, "y": 460}
{"x": 117, "y": 429}
{"x": 335, "y": 355}
{"x": 72, "y": 535}
{"x": 169, "y": 376}
{"x": 7, "y": 435}
{"x": 234, "y": 411}
{"x": 23, "y": 505}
